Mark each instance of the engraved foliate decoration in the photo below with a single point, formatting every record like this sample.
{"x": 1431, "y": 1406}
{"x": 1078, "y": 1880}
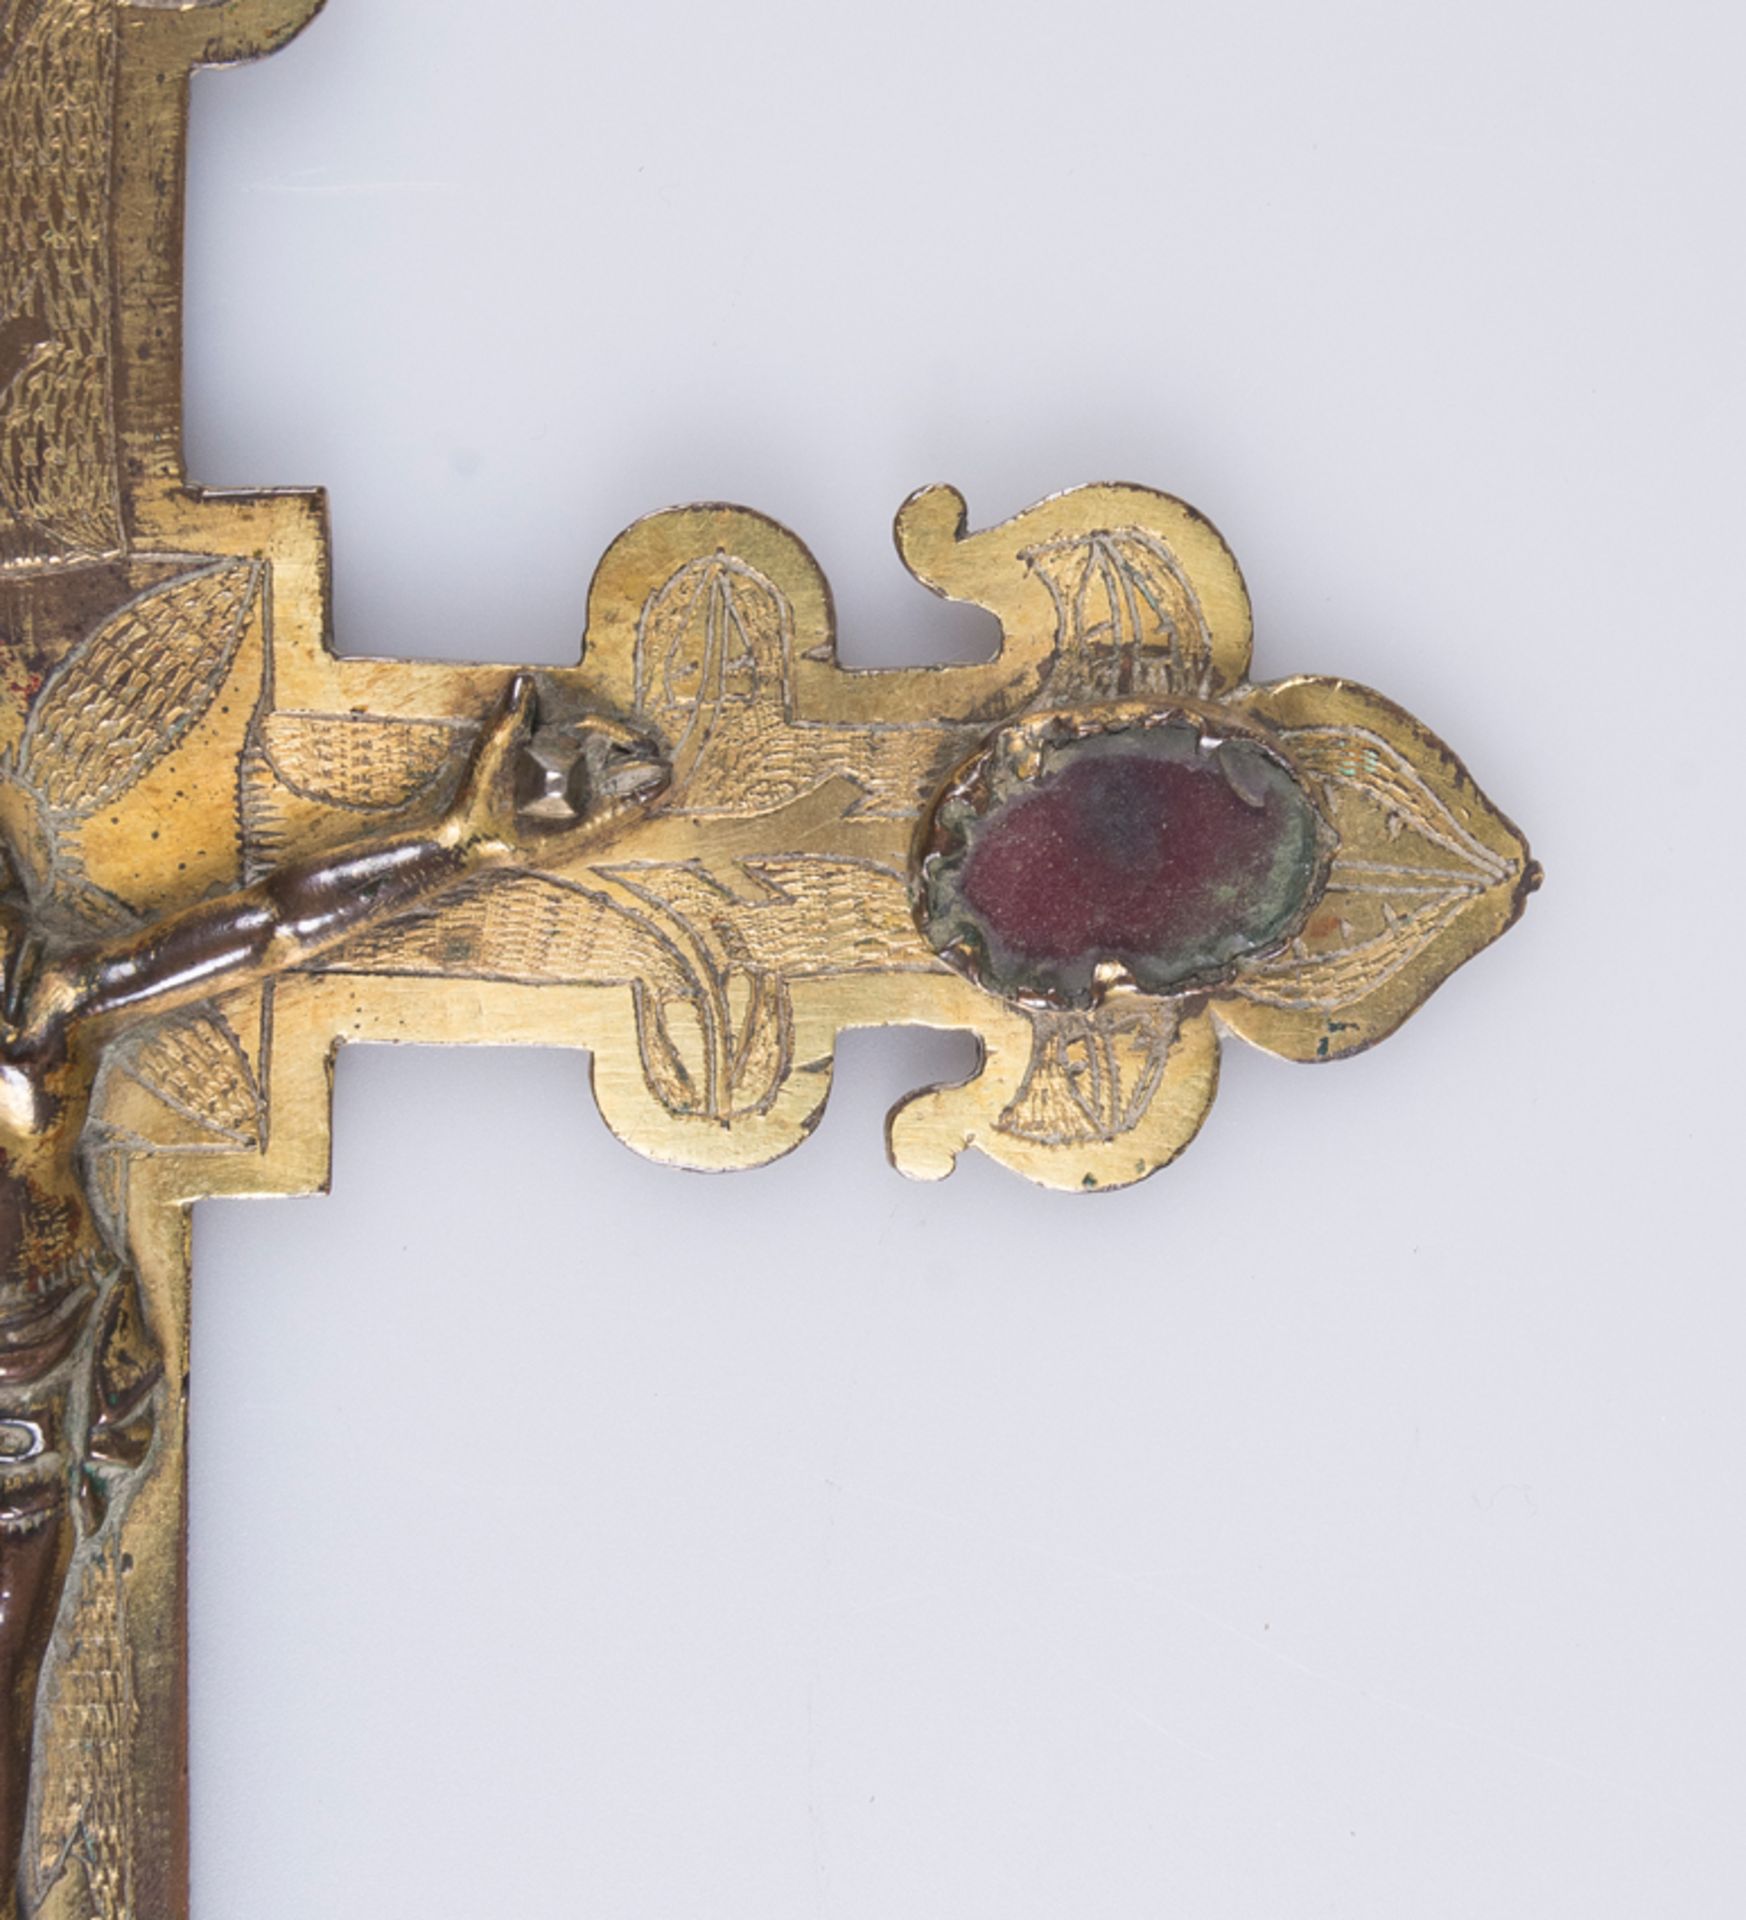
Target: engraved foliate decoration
{"x": 1300, "y": 852}
{"x": 698, "y": 856}
{"x": 59, "y": 489}
{"x": 1129, "y": 621}
{"x": 1407, "y": 869}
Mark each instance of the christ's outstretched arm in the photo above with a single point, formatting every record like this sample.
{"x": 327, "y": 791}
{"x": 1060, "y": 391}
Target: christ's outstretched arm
{"x": 307, "y": 907}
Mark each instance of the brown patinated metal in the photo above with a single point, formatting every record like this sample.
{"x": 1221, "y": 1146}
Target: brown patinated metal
{"x": 700, "y": 854}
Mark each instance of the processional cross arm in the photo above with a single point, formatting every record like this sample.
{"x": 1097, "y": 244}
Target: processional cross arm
{"x": 306, "y": 907}
{"x": 1106, "y": 852}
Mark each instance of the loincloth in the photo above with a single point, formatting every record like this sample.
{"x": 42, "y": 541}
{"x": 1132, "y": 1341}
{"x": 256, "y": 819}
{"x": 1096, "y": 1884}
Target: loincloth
{"x": 87, "y": 1328}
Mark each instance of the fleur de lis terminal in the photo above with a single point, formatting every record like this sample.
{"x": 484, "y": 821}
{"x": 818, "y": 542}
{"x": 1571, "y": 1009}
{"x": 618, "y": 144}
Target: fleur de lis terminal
{"x": 699, "y": 854}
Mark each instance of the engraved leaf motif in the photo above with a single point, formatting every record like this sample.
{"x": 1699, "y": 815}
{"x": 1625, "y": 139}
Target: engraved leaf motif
{"x": 1103, "y": 1100}
{"x": 1128, "y": 619}
{"x": 133, "y": 688}
{"x": 720, "y": 1052}
{"x": 714, "y": 660}
{"x": 59, "y": 496}
{"x": 1099, "y": 590}
{"x": 1383, "y": 904}
{"x": 720, "y": 1044}
{"x": 196, "y": 1066}
{"x": 351, "y": 763}
{"x": 712, "y": 653}
{"x": 1092, "y": 1075}
{"x": 1426, "y": 872}
{"x": 664, "y": 1051}
{"x": 84, "y": 1856}
{"x": 364, "y": 763}
{"x": 762, "y": 1040}
{"x": 520, "y": 928}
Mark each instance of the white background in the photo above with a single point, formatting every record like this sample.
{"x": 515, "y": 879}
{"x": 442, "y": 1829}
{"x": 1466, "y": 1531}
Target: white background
{"x": 1349, "y": 1521}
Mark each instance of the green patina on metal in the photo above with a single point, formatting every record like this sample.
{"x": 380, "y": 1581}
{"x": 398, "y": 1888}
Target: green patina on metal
{"x": 1072, "y": 861}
